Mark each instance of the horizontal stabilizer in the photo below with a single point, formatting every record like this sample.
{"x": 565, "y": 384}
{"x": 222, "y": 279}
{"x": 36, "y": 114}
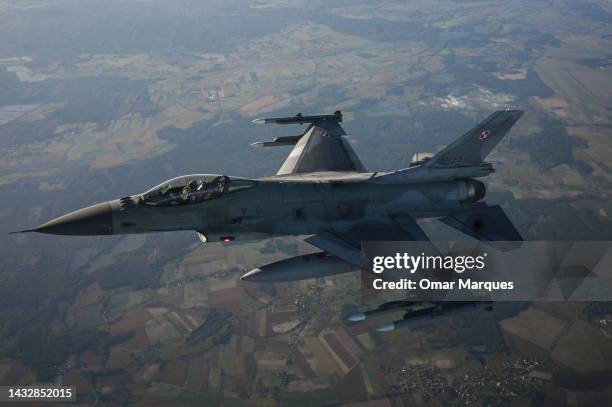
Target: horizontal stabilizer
{"x": 486, "y": 223}
{"x": 301, "y": 119}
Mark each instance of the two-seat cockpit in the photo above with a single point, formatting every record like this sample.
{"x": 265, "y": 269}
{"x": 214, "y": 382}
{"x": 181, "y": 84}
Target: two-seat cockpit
{"x": 191, "y": 189}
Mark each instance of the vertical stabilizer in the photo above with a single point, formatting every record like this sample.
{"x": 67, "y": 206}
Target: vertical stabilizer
{"x": 473, "y": 147}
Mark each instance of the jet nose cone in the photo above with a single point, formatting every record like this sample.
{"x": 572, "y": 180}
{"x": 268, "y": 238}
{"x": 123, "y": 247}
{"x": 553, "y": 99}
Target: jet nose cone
{"x": 93, "y": 220}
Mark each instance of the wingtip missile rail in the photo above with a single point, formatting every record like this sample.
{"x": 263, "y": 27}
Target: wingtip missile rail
{"x": 278, "y": 141}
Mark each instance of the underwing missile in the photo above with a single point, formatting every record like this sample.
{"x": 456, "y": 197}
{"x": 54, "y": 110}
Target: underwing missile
{"x": 301, "y": 119}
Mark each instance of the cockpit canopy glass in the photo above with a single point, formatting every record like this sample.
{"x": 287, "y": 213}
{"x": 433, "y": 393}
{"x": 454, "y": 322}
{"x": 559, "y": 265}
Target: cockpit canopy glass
{"x": 190, "y": 189}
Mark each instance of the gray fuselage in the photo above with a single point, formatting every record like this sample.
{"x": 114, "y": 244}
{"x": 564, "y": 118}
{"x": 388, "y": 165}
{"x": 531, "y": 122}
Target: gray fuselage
{"x": 295, "y": 207}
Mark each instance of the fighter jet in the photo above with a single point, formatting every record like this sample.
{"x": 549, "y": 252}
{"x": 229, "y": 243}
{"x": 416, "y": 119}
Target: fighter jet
{"x": 322, "y": 191}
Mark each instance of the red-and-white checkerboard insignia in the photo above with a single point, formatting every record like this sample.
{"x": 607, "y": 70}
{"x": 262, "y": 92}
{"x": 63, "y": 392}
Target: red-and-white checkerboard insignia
{"x": 324, "y": 134}
{"x": 484, "y": 135}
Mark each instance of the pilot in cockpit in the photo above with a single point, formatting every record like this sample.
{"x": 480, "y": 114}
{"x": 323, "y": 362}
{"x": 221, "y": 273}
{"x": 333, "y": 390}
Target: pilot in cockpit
{"x": 186, "y": 190}
{"x": 192, "y": 191}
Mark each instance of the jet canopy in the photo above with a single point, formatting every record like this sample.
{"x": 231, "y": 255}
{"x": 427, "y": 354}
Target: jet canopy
{"x": 190, "y": 189}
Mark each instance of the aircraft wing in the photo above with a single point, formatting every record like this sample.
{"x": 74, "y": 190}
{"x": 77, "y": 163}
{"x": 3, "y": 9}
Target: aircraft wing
{"x": 342, "y": 251}
{"x": 322, "y": 147}
{"x": 345, "y": 243}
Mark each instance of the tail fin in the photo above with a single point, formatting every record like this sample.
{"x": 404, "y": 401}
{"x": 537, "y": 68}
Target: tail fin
{"x": 474, "y": 146}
